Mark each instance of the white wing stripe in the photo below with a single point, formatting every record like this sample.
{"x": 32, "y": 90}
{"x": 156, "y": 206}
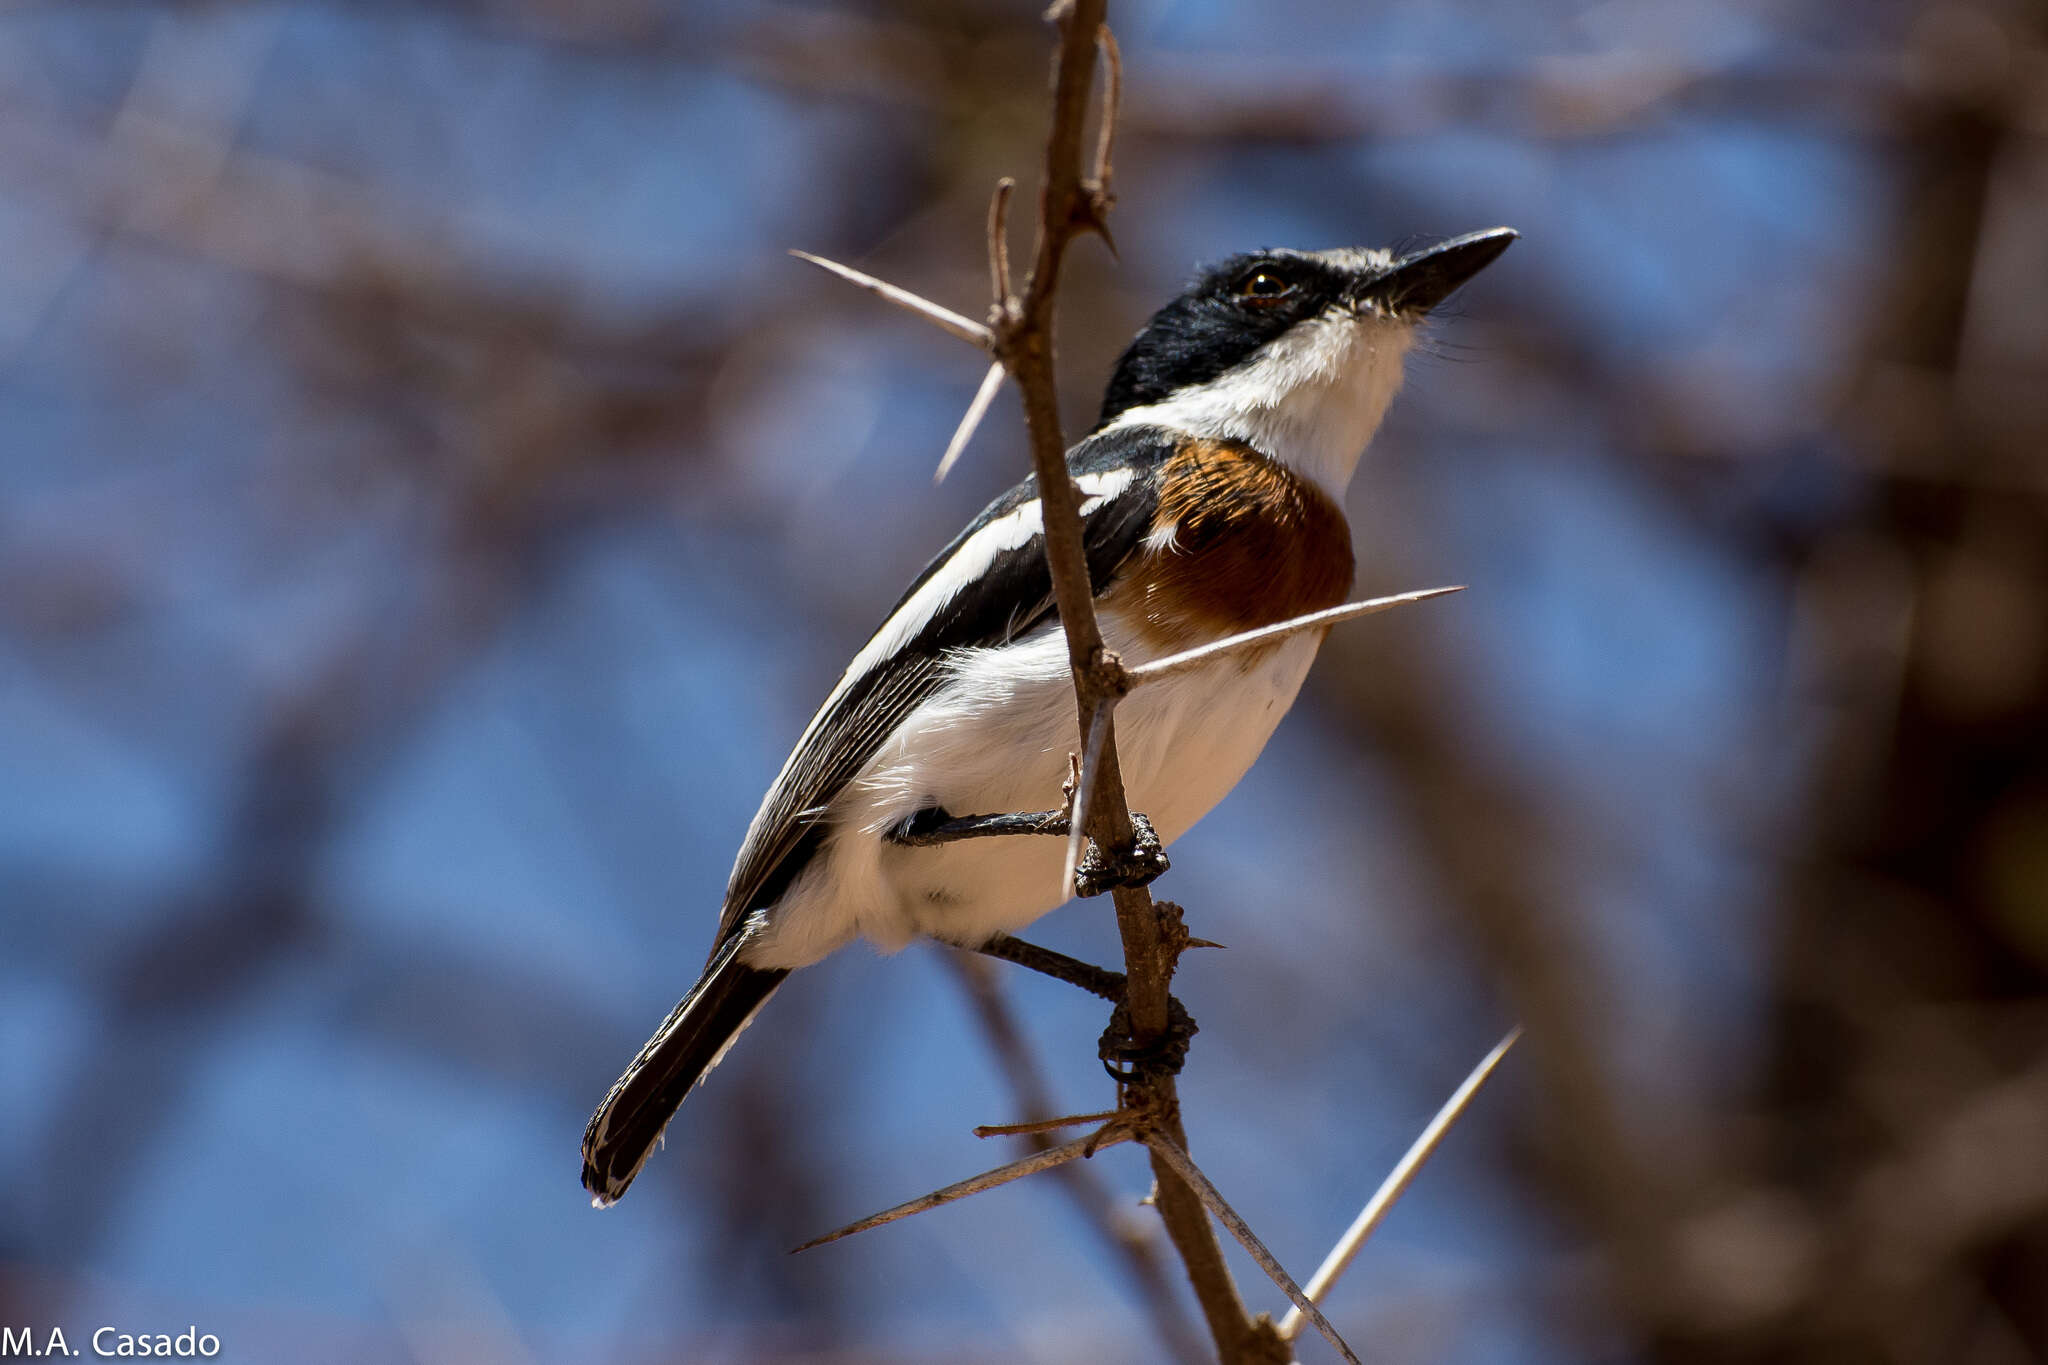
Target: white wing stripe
{"x": 1008, "y": 532}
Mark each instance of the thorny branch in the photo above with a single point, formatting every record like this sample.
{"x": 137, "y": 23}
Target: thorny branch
{"x": 1165, "y": 1150}
{"x": 1019, "y": 336}
{"x": 1135, "y": 1242}
{"x": 1069, "y": 205}
{"x": 1043, "y": 1160}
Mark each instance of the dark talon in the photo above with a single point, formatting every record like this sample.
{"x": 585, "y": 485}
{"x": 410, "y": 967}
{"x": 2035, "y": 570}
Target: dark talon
{"x": 1139, "y": 865}
{"x": 1125, "y": 1061}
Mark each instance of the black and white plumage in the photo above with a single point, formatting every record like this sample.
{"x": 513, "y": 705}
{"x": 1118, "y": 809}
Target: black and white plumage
{"x": 1211, "y": 503}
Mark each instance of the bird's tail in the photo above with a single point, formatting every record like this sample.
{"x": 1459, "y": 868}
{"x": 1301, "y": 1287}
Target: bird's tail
{"x": 627, "y": 1127}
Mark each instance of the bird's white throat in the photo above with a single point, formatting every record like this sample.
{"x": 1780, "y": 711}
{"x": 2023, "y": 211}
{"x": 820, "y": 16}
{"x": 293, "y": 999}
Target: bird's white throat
{"x": 1311, "y": 398}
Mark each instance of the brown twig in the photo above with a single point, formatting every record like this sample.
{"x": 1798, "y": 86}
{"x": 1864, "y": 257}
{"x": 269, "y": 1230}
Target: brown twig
{"x": 999, "y": 239}
{"x": 1212, "y": 1199}
{"x": 1069, "y": 206}
{"x": 1112, "y": 107}
{"x": 1134, "y": 1240}
{"x": 1024, "y": 341}
{"x": 1101, "y": 197}
{"x": 1040, "y": 1127}
{"x": 1038, "y": 1161}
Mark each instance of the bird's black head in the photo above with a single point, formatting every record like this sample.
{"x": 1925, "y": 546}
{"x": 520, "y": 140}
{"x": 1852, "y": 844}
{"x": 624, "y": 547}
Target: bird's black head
{"x": 1236, "y": 308}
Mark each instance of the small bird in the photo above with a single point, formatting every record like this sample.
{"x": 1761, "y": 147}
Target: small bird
{"x": 1212, "y": 494}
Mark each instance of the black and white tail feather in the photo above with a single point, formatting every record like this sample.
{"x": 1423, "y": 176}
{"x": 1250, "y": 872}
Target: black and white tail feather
{"x": 695, "y": 1037}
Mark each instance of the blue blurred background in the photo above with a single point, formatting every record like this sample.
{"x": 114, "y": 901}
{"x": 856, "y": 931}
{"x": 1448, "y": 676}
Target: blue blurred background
{"x": 431, "y": 503}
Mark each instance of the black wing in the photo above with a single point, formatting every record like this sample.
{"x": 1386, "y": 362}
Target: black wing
{"x": 900, "y": 666}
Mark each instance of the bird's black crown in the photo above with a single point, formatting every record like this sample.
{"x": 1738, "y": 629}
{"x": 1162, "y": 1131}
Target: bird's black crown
{"x": 1237, "y": 306}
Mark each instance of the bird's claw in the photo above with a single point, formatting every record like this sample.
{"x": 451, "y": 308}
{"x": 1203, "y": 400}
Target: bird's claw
{"x": 1139, "y": 865}
{"x": 1127, "y": 1061}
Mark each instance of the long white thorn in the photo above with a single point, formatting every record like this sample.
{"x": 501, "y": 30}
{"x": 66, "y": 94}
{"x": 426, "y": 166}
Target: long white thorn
{"x": 1213, "y": 1200}
{"x": 1141, "y": 674}
{"x": 945, "y": 319}
{"x": 1084, "y": 792}
{"x": 991, "y": 384}
{"x": 1396, "y": 1183}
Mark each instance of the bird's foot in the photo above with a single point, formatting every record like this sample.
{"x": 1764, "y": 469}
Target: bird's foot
{"x": 1103, "y": 870}
{"x": 1129, "y": 1062}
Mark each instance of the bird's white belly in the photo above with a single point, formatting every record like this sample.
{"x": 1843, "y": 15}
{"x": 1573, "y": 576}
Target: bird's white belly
{"x": 996, "y": 738}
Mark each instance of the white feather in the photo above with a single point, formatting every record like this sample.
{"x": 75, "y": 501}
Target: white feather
{"x": 966, "y": 565}
{"x": 996, "y": 738}
{"x": 1311, "y": 399}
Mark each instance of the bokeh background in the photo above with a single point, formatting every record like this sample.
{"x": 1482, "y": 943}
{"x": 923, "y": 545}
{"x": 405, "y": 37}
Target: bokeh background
{"x": 431, "y": 502}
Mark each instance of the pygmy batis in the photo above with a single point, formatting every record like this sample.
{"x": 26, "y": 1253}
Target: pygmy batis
{"x": 1212, "y": 492}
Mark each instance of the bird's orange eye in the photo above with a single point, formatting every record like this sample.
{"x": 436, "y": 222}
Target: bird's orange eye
{"x": 1264, "y": 286}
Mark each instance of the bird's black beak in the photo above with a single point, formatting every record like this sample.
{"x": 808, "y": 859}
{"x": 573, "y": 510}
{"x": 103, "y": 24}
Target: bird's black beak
{"x": 1423, "y": 279}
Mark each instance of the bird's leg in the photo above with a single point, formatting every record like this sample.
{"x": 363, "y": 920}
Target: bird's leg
{"x": 1072, "y": 970}
{"x": 936, "y": 825}
{"x": 1103, "y": 869}
{"x": 1122, "y": 1057}
{"x": 1097, "y": 872}
{"x": 1136, "y": 1067}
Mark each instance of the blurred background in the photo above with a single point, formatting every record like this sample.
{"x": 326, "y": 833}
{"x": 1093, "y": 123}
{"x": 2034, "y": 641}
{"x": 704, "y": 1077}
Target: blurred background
{"x": 431, "y": 503}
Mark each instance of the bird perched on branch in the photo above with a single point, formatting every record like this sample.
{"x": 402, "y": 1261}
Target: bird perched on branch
{"x": 1212, "y": 490}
